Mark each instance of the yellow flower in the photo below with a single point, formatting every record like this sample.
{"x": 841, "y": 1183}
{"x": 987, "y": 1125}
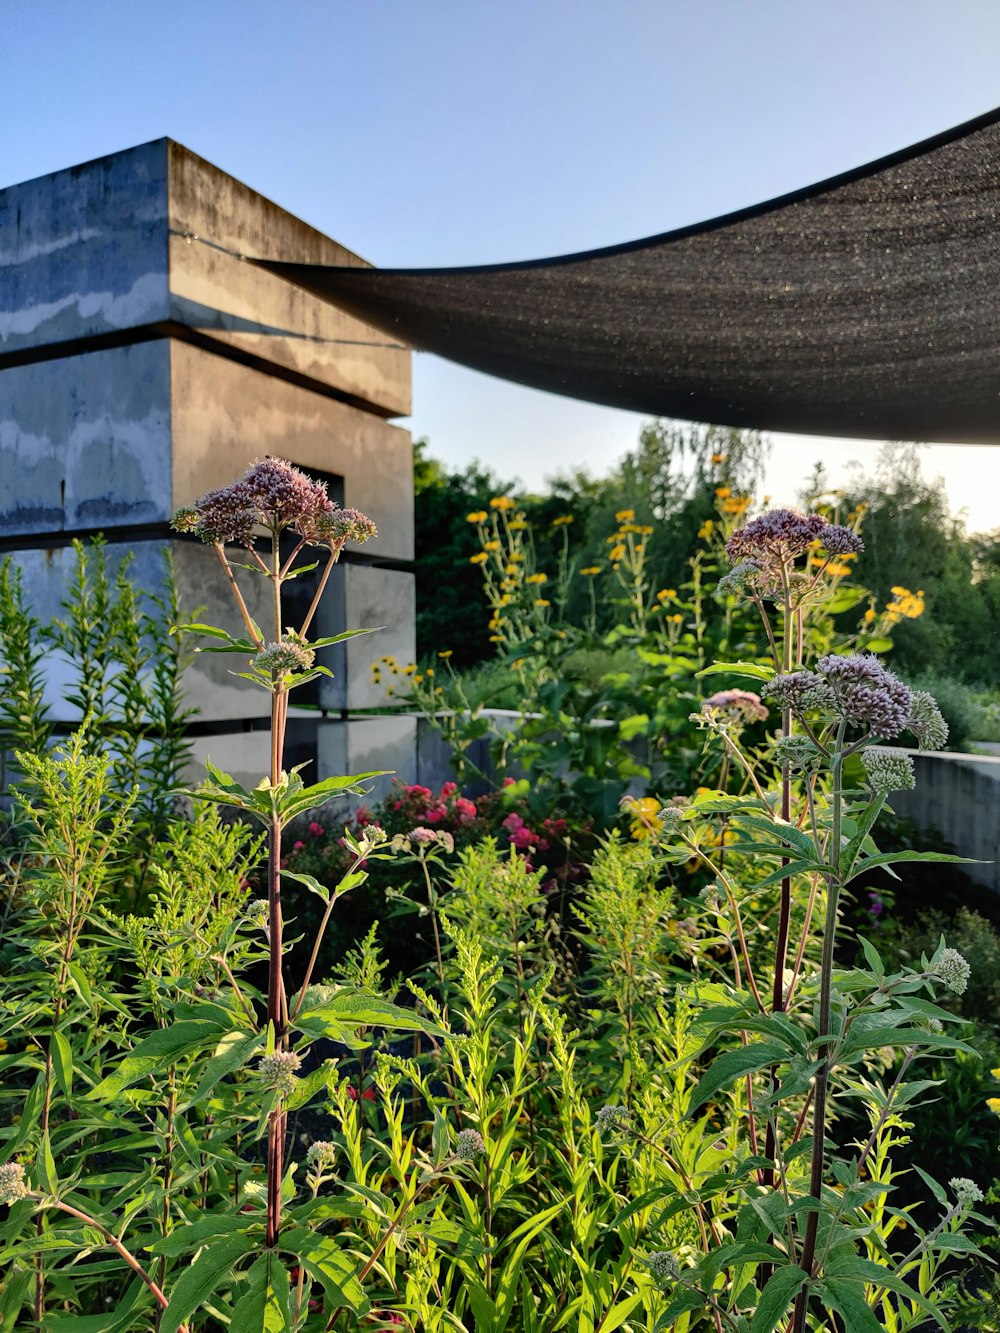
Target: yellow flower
{"x": 722, "y": 492}
{"x": 707, "y": 528}
{"x": 517, "y": 525}
{"x": 869, "y": 616}
{"x": 537, "y": 578}
{"x": 418, "y": 680}
{"x": 410, "y": 670}
{"x": 665, "y": 594}
{"x": 736, "y": 504}
{"x": 645, "y": 530}
{"x": 504, "y": 600}
{"x": 516, "y": 557}
{"x": 501, "y": 502}
{"x": 491, "y": 546}
{"x": 429, "y": 673}
{"x": 3, "y": 1043}
{"x": 676, "y": 620}
{"x": 718, "y": 458}
{"x": 562, "y": 520}
{"x": 837, "y": 569}
{"x": 591, "y": 570}
{"x": 908, "y": 604}
{"x": 995, "y": 1072}
{"x": 518, "y": 663}
{"x": 643, "y": 816}
{"x": 540, "y": 601}
{"x": 616, "y": 552}
{"x": 478, "y": 517}
{"x": 478, "y": 559}
{"x": 994, "y": 1104}
{"x": 446, "y": 654}
{"x": 625, "y": 516}
{"x": 496, "y": 638}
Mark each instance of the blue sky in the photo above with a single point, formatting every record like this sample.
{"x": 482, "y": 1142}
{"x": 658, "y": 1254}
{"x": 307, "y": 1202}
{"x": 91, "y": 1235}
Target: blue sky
{"x": 440, "y": 132}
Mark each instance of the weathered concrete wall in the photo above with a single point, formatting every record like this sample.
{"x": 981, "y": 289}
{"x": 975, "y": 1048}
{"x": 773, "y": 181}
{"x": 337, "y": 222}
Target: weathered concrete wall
{"x": 959, "y": 794}
{"x": 143, "y": 362}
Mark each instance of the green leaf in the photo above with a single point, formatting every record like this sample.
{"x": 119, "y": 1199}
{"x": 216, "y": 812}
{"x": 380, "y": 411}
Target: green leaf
{"x": 848, "y": 1299}
{"x": 154, "y": 1054}
{"x": 108, "y": 1322}
{"x": 326, "y": 1262}
{"x": 62, "y": 1062}
{"x": 347, "y": 634}
{"x": 779, "y": 1291}
{"x": 731, "y": 1065}
{"x": 13, "y": 1295}
{"x": 751, "y": 669}
{"x": 232, "y": 1052}
{"x": 193, "y": 1235}
{"x": 47, "y": 1166}
{"x": 311, "y": 798}
{"x": 196, "y": 1284}
{"x": 266, "y": 1307}
{"x": 682, "y": 1302}
{"x": 891, "y": 858}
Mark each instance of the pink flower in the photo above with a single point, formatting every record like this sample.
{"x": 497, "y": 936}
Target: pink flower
{"x": 297, "y": 846}
{"x": 523, "y": 839}
{"x": 508, "y": 782}
{"x": 368, "y": 1095}
{"x": 513, "y": 822}
{"x": 449, "y": 789}
{"x": 465, "y": 809}
{"x": 423, "y": 835}
{"x": 317, "y": 830}
{"x": 435, "y": 814}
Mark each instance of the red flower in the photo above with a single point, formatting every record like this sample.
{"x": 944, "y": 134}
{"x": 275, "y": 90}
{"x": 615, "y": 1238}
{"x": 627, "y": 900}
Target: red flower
{"x": 465, "y": 809}
{"x": 317, "y": 830}
{"x": 449, "y": 789}
{"x": 367, "y": 1096}
{"x": 297, "y": 846}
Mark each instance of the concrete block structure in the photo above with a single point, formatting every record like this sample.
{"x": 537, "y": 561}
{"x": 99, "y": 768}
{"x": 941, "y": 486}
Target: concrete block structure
{"x": 143, "y": 362}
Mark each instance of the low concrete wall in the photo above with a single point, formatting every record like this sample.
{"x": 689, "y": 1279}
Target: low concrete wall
{"x": 959, "y": 794}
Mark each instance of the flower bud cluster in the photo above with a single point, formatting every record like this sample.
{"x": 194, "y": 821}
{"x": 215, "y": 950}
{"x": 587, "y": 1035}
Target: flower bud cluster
{"x": 663, "y": 1265}
{"x": 866, "y": 693}
{"x": 952, "y": 970}
{"x": 13, "y": 1186}
{"x": 613, "y": 1120}
{"x": 291, "y": 654}
{"x": 838, "y": 540}
{"x": 888, "y": 769}
{"x": 966, "y": 1191}
{"x": 927, "y": 721}
{"x": 279, "y": 1071}
{"x": 423, "y": 837}
{"x": 321, "y": 1153}
{"x": 798, "y": 752}
{"x": 469, "y": 1145}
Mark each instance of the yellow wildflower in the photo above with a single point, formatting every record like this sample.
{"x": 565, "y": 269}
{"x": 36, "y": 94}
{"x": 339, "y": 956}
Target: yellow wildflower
{"x": 591, "y": 570}
{"x": 722, "y": 492}
{"x": 645, "y": 530}
{"x": 491, "y": 546}
{"x": 837, "y": 569}
{"x": 502, "y": 502}
{"x": 665, "y": 594}
{"x": 517, "y": 525}
{"x": 478, "y": 559}
{"x": 869, "y": 616}
{"x": 617, "y": 552}
{"x": 994, "y": 1104}
{"x": 736, "y": 504}
{"x": 410, "y": 670}
{"x": 625, "y": 516}
{"x": 718, "y": 458}
{"x": 446, "y": 654}
{"x": 478, "y": 517}
{"x": 707, "y": 528}
{"x": 496, "y": 638}
{"x": 540, "y": 601}
{"x": 643, "y": 814}
{"x": 516, "y": 557}
{"x": 418, "y": 680}
{"x": 429, "y": 673}
{"x": 562, "y": 520}
{"x": 676, "y": 620}
{"x": 537, "y": 578}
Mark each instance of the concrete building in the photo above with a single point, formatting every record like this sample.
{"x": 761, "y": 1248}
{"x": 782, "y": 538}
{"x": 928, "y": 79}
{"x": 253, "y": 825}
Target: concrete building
{"x": 144, "y": 362}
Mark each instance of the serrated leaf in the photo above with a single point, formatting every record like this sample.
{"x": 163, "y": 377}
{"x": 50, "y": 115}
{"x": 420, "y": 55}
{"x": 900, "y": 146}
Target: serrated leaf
{"x": 196, "y": 1284}
{"x": 326, "y": 1262}
{"x": 266, "y": 1307}
{"x": 751, "y": 669}
{"x": 233, "y": 1051}
{"x": 152, "y": 1055}
{"x": 780, "y": 1289}
{"x": 193, "y": 1235}
{"x": 848, "y": 1299}
{"x": 726, "y": 1068}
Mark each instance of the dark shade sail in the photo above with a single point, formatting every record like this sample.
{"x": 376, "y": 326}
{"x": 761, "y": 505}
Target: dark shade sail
{"x": 864, "y": 306}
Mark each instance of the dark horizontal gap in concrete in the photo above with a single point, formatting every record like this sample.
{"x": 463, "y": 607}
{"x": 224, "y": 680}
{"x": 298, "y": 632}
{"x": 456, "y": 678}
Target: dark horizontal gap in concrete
{"x": 144, "y": 333}
{"x": 230, "y": 726}
{"x": 133, "y": 533}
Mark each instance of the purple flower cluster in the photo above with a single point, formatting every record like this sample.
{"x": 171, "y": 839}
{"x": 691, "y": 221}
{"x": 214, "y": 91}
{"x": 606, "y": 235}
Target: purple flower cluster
{"x": 797, "y": 690}
{"x": 838, "y": 540}
{"x": 778, "y": 535}
{"x": 272, "y": 494}
{"x": 866, "y": 693}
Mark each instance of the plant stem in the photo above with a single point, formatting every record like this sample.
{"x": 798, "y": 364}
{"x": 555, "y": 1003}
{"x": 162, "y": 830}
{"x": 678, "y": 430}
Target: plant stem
{"x": 822, "y": 1080}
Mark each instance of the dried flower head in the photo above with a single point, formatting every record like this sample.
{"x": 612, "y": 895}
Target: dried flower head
{"x": 926, "y": 721}
{"x": 838, "y": 540}
{"x": 888, "y": 769}
{"x": 663, "y": 1265}
{"x": 279, "y": 1070}
{"x": 321, "y": 1153}
{"x": 741, "y": 705}
{"x": 469, "y": 1145}
{"x": 952, "y": 970}
{"x": 966, "y": 1191}
{"x": 866, "y": 694}
{"x": 13, "y": 1186}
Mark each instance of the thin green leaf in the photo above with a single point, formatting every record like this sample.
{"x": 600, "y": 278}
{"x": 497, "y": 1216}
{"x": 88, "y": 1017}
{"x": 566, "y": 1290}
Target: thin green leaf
{"x": 196, "y": 1284}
